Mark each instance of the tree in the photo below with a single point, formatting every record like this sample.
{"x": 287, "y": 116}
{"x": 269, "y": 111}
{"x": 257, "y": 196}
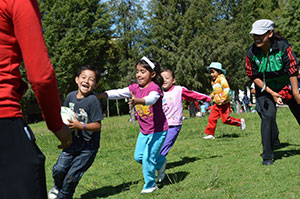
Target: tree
{"x": 127, "y": 16}
{"x": 77, "y": 33}
{"x": 289, "y": 23}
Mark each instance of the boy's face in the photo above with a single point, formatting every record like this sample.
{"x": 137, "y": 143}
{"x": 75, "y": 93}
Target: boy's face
{"x": 86, "y": 82}
{"x": 214, "y": 74}
{"x": 168, "y": 80}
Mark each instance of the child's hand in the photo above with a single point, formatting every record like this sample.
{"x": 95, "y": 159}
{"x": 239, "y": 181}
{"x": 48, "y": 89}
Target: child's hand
{"x": 75, "y": 124}
{"x": 220, "y": 102}
{"x": 101, "y": 95}
{"x": 135, "y": 100}
{"x": 277, "y": 98}
{"x": 132, "y": 102}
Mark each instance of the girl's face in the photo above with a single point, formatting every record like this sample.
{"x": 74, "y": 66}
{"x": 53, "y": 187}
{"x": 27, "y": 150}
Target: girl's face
{"x": 143, "y": 76}
{"x": 262, "y": 41}
{"x": 86, "y": 82}
{"x": 168, "y": 80}
{"x": 214, "y": 74}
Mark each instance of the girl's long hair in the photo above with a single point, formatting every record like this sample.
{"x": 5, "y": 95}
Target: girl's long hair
{"x": 158, "y": 79}
{"x": 277, "y": 35}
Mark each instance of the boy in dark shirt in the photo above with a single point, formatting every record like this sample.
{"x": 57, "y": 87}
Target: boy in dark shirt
{"x": 79, "y": 156}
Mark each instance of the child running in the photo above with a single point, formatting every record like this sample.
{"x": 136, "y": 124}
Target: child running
{"x": 146, "y": 96}
{"x": 172, "y": 106}
{"x": 79, "y": 156}
{"x": 221, "y": 107}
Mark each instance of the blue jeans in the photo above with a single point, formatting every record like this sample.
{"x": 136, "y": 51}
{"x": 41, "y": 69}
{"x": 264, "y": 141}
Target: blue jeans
{"x": 69, "y": 169}
{"x": 147, "y": 150}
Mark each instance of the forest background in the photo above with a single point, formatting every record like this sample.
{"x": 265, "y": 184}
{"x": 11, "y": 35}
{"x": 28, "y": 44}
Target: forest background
{"x": 184, "y": 35}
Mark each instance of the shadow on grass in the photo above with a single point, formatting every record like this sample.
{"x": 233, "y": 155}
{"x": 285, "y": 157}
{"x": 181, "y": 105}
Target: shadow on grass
{"x": 173, "y": 178}
{"x": 234, "y": 135}
{"x": 280, "y": 154}
{"x": 284, "y": 144}
{"x": 104, "y": 192}
{"x": 185, "y": 160}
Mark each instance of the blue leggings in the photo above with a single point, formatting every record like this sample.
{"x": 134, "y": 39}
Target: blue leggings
{"x": 147, "y": 150}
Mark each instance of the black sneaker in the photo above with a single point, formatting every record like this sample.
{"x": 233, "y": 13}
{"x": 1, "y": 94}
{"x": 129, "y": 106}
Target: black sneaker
{"x": 267, "y": 162}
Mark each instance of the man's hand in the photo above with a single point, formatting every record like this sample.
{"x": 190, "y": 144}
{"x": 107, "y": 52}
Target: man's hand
{"x": 65, "y": 137}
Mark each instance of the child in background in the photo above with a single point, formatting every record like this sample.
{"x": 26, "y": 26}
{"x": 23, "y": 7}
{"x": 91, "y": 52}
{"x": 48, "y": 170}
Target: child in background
{"x": 220, "y": 96}
{"x": 79, "y": 156}
{"x": 146, "y": 96}
{"x": 172, "y": 106}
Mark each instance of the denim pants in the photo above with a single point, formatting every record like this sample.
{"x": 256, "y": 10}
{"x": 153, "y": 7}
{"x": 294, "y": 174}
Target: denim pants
{"x": 22, "y": 164}
{"x": 147, "y": 150}
{"x": 69, "y": 169}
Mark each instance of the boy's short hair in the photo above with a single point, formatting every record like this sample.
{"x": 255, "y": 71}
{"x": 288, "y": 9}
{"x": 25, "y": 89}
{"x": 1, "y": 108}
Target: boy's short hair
{"x": 92, "y": 68}
{"x": 170, "y": 71}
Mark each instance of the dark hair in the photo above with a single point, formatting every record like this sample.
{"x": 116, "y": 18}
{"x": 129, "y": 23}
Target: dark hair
{"x": 277, "y": 35}
{"x": 158, "y": 79}
{"x": 170, "y": 71}
{"x": 92, "y": 68}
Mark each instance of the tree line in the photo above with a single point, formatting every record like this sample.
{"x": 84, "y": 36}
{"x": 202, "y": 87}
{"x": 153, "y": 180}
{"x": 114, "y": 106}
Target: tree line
{"x": 184, "y": 35}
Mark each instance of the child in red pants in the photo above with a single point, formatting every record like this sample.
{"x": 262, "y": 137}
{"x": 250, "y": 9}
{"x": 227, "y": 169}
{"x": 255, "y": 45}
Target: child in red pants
{"x": 221, "y": 107}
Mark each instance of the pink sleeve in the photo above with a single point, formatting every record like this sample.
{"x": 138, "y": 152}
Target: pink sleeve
{"x": 189, "y": 95}
{"x": 28, "y": 30}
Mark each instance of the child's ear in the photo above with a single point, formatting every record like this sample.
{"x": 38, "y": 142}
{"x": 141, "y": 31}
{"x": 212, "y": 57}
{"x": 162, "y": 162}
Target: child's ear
{"x": 174, "y": 80}
{"x": 153, "y": 74}
{"x": 76, "y": 79}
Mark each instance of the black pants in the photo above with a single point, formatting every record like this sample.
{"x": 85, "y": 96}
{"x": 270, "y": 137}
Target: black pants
{"x": 22, "y": 164}
{"x": 268, "y": 124}
{"x": 276, "y": 131}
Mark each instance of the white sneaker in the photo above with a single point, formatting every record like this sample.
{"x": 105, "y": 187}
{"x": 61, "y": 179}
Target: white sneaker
{"x": 150, "y": 190}
{"x": 53, "y": 193}
{"x": 161, "y": 172}
{"x": 243, "y": 124}
{"x": 209, "y": 137}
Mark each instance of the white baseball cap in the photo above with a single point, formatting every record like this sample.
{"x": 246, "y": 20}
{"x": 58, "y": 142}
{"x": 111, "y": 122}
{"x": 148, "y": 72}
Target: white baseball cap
{"x": 261, "y": 26}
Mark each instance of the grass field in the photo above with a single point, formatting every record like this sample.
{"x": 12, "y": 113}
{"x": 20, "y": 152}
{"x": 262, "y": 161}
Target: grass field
{"x": 228, "y": 167}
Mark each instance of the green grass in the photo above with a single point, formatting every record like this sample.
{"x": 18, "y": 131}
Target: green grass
{"x": 228, "y": 167}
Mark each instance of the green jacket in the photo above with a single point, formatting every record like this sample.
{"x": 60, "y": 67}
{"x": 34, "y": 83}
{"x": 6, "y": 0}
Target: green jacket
{"x": 275, "y": 67}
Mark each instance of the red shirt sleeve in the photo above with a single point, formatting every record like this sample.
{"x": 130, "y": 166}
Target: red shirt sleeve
{"x": 189, "y": 95}
{"x": 28, "y": 31}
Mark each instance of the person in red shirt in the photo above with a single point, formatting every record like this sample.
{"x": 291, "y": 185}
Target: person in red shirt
{"x": 22, "y": 170}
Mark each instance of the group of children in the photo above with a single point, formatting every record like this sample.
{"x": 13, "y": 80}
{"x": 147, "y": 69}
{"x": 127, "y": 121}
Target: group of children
{"x": 158, "y": 105}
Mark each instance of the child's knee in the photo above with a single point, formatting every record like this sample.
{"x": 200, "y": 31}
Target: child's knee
{"x": 138, "y": 158}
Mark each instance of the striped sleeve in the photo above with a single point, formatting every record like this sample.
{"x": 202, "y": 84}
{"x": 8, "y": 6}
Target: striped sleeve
{"x": 290, "y": 62}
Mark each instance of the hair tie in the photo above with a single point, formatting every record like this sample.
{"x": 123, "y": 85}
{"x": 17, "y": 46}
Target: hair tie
{"x": 150, "y": 63}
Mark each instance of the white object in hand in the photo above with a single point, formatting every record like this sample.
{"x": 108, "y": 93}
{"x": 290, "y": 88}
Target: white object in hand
{"x": 66, "y": 114}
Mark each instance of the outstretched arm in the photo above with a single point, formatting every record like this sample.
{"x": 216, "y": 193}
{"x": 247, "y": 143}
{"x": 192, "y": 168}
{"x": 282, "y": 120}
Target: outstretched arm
{"x": 190, "y": 95}
{"x": 115, "y": 94}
